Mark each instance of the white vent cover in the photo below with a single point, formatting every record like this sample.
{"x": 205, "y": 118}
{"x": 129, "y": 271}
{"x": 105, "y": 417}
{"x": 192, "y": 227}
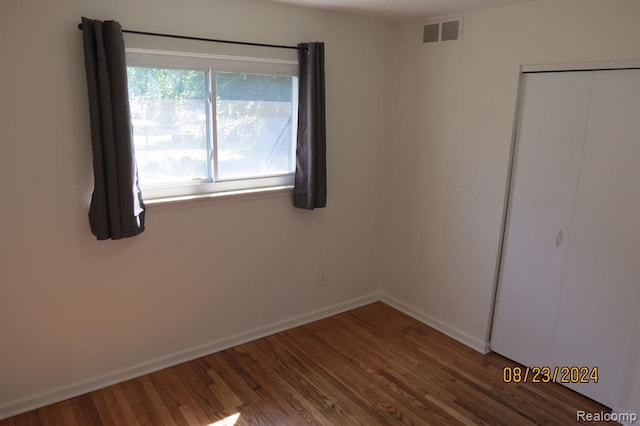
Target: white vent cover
{"x": 431, "y": 33}
{"x": 442, "y": 31}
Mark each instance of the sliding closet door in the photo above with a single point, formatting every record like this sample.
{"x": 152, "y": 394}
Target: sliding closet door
{"x": 601, "y": 290}
{"x": 551, "y": 131}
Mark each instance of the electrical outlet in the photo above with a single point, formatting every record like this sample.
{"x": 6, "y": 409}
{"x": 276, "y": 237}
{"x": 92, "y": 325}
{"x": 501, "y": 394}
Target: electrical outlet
{"x": 323, "y": 279}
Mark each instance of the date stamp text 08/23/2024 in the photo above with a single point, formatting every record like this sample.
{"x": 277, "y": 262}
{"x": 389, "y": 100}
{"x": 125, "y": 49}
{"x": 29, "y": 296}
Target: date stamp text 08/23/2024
{"x": 546, "y": 374}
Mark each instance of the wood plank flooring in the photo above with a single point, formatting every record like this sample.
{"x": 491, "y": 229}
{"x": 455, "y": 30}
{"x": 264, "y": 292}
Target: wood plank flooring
{"x": 370, "y": 366}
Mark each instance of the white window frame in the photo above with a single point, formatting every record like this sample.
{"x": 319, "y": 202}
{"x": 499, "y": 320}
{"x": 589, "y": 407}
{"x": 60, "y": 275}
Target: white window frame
{"x": 213, "y": 64}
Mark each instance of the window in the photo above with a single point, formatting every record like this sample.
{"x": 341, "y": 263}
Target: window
{"x": 205, "y": 124}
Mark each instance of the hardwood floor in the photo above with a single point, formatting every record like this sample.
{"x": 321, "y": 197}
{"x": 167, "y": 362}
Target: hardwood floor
{"x": 370, "y": 366}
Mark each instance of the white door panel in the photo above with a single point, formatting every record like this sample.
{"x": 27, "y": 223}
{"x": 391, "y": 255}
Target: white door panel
{"x": 601, "y": 290}
{"x": 551, "y": 131}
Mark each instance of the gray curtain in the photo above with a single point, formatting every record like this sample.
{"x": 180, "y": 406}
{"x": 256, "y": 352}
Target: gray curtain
{"x": 310, "y": 188}
{"x": 117, "y": 210}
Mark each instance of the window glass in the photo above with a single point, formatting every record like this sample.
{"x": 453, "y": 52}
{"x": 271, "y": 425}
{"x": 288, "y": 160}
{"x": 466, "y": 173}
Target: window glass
{"x": 204, "y": 124}
{"x": 169, "y": 116}
{"x": 254, "y": 115}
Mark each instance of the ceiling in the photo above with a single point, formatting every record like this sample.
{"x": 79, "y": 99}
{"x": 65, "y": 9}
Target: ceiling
{"x": 405, "y": 9}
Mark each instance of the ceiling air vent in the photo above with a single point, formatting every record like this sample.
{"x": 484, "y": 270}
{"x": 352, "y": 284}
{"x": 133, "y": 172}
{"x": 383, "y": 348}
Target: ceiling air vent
{"x": 443, "y": 31}
{"x": 431, "y": 33}
{"x": 450, "y": 30}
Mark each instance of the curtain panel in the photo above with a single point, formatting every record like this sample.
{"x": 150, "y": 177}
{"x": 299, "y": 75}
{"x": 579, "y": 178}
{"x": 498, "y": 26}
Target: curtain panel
{"x": 117, "y": 210}
{"x": 310, "y": 185}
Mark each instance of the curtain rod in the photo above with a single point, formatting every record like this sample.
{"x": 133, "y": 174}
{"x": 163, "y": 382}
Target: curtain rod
{"x": 244, "y": 43}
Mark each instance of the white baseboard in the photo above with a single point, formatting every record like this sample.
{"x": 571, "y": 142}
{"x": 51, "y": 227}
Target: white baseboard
{"x": 60, "y": 394}
{"x": 451, "y": 331}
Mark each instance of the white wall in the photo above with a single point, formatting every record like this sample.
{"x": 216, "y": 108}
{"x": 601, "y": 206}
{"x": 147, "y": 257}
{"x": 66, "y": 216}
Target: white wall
{"x": 73, "y": 309}
{"x": 452, "y": 144}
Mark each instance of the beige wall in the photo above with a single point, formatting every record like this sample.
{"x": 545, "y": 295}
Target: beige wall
{"x": 418, "y": 156}
{"x": 452, "y": 143}
{"x": 73, "y": 309}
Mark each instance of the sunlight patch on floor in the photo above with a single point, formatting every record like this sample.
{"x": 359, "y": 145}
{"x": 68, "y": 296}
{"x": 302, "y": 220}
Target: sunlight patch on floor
{"x": 227, "y": 421}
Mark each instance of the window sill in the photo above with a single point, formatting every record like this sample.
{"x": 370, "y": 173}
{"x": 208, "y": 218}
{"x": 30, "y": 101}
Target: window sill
{"x": 219, "y": 197}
